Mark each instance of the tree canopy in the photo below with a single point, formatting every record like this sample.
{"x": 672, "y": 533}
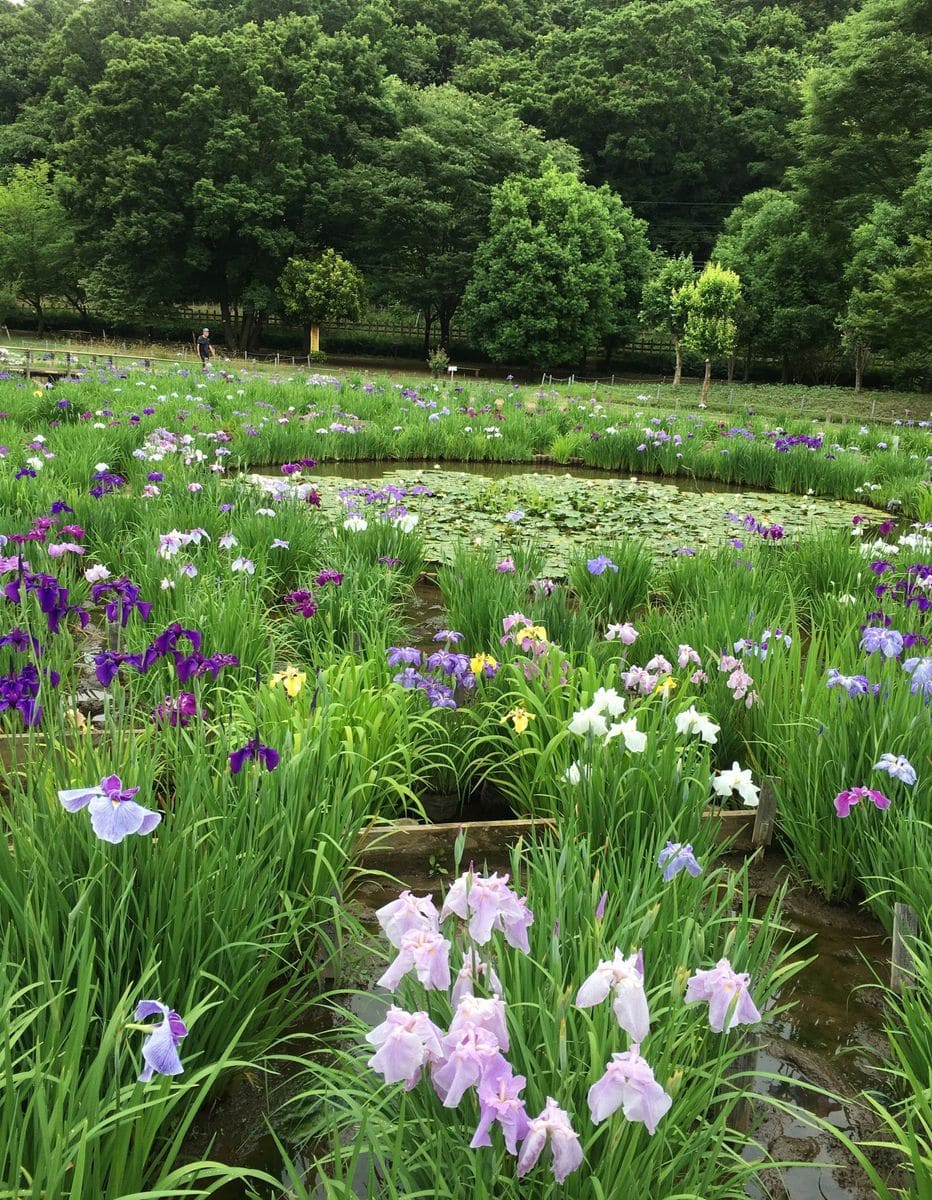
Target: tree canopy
{"x": 195, "y": 146}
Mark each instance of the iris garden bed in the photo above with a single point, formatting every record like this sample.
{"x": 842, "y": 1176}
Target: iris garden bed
{"x": 262, "y": 697}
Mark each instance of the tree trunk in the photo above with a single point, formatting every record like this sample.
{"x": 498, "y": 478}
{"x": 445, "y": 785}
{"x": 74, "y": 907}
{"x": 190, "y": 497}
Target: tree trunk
{"x": 731, "y": 368}
{"x": 40, "y": 314}
{"x": 229, "y": 324}
{"x": 861, "y": 355}
{"x": 706, "y": 381}
{"x": 428, "y": 326}
{"x": 678, "y": 369}
{"x": 445, "y": 316}
{"x": 747, "y": 363}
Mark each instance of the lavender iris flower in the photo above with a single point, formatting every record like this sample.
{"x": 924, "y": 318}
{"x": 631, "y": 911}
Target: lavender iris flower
{"x": 469, "y": 1055}
{"x": 598, "y": 566}
{"x": 726, "y": 992}
{"x": 268, "y": 756}
{"x": 406, "y": 913}
{"x": 675, "y": 858}
{"x": 499, "y": 1100}
{"x": 160, "y": 1049}
{"x": 888, "y": 641}
{"x": 114, "y": 813}
{"x": 897, "y": 767}
{"x": 472, "y": 970}
{"x": 625, "y": 978}
{"x": 920, "y": 672}
{"x": 629, "y": 1084}
{"x": 487, "y": 903}
{"x": 553, "y": 1123}
{"x": 404, "y": 1043}
{"x": 424, "y": 951}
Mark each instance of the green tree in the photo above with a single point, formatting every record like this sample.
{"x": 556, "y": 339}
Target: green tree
{"x": 789, "y": 278}
{"x": 196, "y": 169}
{"x": 316, "y": 290}
{"x": 711, "y": 302}
{"x": 662, "y": 305}
{"x": 894, "y": 311}
{"x": 674, "y": 105}
{"x": 37, "y": 244}
{"x": 549, "y": 280}
{"x": 867, "y": 113}
{"x": 417, "y": 205}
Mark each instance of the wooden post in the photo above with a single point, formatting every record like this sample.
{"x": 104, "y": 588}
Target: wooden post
{"x": 28, "y": 365}
{"x": 766, "y": 816}
{"x": 905, "y": 932}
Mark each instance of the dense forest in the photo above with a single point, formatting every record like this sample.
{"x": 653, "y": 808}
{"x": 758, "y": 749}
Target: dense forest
{"x": 527, "y": 167}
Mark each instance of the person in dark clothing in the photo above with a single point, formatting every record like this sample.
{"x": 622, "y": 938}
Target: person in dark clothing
{"x": 204, "y": 348}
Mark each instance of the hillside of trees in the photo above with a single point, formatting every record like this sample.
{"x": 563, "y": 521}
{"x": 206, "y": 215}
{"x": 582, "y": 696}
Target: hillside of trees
{"x": 480, "y": 161}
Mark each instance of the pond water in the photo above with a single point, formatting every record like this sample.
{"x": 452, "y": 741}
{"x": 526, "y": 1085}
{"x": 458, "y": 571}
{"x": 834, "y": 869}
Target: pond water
{"x": 563, "y": 509}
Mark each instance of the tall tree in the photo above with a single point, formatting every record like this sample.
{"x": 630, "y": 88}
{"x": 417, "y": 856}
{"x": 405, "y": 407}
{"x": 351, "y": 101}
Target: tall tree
{"x": 549, "y": 280}
{"x": 195, "y": 169}
{"x": 711, "y": 303}
{"x": 662, "y": 305}
{"x": 867, "y": 113}
{"x": 37, "y": 244}
{"x": 789, "y": 277}
{"x": 417, "y": 206}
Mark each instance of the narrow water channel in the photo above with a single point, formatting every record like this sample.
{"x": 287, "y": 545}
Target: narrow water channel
{"x": 828, "y": 1046}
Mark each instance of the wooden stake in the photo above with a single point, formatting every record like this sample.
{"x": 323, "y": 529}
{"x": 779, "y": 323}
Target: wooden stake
{"x": 766, "y": 817}
{"x": 905, "y": 932}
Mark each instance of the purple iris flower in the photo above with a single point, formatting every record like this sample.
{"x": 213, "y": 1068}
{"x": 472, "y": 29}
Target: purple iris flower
{"x": 854, "y": 685}
{"x": 301, "y": 602}
{"x": 675, "y": 858}
{"x": 598, "y": 566}
{"x": 400, "y": 655}
{"x": 59, "y": 506}
{"x": 888, "y": 641}
{"x": 114, "y": 812}
{"x": 448, "y": 662}
{"x": 196, "y": 664}
{"x": 268, "y": 756}
{"x": 897, "y": 767}
{"x": 124, "y": 602}
{"x": 845, "y": 801}
{"x": 450, "y": 636}
{"x": 160, "y": 1049}
{"x": 22, "y": 641}
{"x": 105, "y": 482}
{"x": 325, "y": 577}
{"x": 177, "y": 711}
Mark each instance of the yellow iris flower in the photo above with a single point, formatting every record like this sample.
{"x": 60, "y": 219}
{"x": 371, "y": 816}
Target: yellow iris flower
{"x": 536, "y": 633}
{"x": 291, "y": 679}
{"x": 520, "y": 716}
{"x": 666, "y": 687}
{"x": 479, "y": 662}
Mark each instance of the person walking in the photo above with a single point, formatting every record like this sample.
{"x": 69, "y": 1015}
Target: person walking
{"x": 204, "y": 348}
